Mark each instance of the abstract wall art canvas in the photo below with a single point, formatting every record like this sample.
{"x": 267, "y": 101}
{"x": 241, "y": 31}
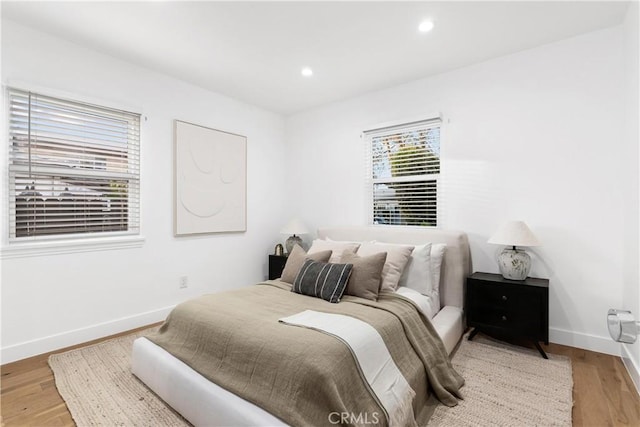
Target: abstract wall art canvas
{"x": 210, "y": 180}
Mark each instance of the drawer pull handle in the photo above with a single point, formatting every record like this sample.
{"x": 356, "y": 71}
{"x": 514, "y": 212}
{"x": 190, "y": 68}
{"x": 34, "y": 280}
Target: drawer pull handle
{"x": 504, "y": 318}
{"x": 504, "y": 297}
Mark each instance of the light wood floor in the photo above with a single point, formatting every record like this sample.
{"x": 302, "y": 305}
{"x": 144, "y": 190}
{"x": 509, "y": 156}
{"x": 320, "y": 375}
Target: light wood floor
{"x": 603, "y": 392}
{"x": 28, "y": 394}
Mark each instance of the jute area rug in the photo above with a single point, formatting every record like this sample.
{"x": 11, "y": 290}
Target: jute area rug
{"x": 505, "y": 386}
{"x": 508, "y": 385}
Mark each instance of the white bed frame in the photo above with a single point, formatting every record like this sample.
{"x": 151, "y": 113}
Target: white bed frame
{"x": 204, "y": 403}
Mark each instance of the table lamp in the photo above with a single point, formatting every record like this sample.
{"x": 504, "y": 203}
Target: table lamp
{"x": 293, "y": 228}
{"x": 514, "y": 264}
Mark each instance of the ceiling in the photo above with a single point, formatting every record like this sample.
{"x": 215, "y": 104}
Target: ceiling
{"x": 254, "y": 51}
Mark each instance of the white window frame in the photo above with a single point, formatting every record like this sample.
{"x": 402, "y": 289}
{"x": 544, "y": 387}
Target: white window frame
{"x": 431, "y": 120}
{"x": 61, "y": 243}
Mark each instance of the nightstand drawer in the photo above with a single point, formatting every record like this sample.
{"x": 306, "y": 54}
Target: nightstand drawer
{"x": 523, "y": 322}
{"x": 499, "y": 297}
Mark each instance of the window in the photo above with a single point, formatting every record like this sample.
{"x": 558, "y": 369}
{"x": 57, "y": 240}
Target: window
{"x": 403, "y": 172}
{"x": 74, "y": 168}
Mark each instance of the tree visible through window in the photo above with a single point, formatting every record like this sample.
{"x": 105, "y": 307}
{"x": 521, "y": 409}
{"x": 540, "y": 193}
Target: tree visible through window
{"x": 403, "y": 175}
{"x": 73, "y": 167}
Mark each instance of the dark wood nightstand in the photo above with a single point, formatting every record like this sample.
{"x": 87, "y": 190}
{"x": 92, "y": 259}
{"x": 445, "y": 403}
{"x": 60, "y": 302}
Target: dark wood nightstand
{"x": 516, "y": 308}
{"x": 276, "y": 265}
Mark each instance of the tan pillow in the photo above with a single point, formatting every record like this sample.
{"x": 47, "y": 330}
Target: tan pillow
{"x": 397, "y": 258}
{"x": 338, "y": 247}
{"x": 295, "y": 260}
{"x": 366, "y": 274}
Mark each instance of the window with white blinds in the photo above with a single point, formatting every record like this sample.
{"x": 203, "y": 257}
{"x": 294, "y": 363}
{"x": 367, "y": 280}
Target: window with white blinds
{"x": 74, "y": 168}
{"x": 402, "y": 174}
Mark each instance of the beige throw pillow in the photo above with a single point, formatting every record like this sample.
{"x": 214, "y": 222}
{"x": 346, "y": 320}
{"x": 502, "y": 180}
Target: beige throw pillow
{"x": 397, "y": 258}
{"x": 295, "y": 260}
{"x": 366, "y": 274}
{"x": 338, "y": 247}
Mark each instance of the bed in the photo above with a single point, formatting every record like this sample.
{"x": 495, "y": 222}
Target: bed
{"x": 202, "y": 402}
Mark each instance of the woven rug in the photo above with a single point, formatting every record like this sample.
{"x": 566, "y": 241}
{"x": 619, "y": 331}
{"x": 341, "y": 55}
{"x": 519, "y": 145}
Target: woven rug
{"x": 508, "y": 385}
{"x": 505, "y": 386}
{"x": 99, "y": 389}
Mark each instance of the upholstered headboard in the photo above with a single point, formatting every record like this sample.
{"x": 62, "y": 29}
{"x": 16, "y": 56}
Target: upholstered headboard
{"x": 457, "y": 258}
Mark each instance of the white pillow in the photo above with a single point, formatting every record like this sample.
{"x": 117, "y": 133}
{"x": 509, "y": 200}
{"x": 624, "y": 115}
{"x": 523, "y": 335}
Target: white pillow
{"x": 397, "y": 258}
{"x": 423, "y": 302}
{"x": 417, "y": 273}
{"x": 337, "y": 247}
{"x": 437, "y": 254}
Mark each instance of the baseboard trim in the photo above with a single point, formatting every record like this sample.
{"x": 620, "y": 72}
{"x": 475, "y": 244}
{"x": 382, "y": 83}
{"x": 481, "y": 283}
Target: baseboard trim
{"x": 54, "y": 342}
{"x": 586, "y": 341}
{"x": 632, "y": 367}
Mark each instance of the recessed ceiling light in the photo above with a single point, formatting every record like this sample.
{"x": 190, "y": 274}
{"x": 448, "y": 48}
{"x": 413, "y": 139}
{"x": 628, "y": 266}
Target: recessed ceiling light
{"x": 425, "y": 26}
{"x": 307, "y": 72}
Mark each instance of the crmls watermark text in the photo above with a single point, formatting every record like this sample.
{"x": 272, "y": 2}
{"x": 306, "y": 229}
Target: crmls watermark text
{"x": 353, "y": 418}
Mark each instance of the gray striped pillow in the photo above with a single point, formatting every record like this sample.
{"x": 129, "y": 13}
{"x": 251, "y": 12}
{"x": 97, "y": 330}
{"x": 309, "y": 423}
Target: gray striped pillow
{"x": 322, "y": 280}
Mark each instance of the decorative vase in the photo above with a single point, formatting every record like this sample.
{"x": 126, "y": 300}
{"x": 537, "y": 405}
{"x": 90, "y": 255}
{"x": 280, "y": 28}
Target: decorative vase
{"x": 514, "y": 264}
{"x": 278, "y": 250}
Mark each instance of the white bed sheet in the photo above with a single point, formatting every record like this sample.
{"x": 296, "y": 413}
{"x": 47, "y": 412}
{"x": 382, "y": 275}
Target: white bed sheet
{"x": 204, "y": 403}
{"x": 423, "y": 302}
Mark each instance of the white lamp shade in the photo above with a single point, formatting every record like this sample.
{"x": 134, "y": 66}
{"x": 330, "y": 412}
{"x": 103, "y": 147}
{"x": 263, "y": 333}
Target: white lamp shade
{"x": 295, "y": 226}
{"x": 514, "y": 233}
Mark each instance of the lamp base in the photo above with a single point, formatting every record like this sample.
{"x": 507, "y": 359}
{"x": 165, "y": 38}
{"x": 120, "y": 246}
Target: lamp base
{"x": 514, "y": 264}
{"x": 291, "y": 242}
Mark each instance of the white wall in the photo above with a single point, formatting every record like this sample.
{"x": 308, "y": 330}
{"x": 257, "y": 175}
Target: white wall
{"x": 631, "y": 289}
{"x": 52, "y": 301}
{"x": 535, "y": 136}
{"x": 539, "y": 135}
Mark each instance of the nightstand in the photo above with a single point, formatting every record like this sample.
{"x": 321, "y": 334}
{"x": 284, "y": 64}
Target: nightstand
{"x": 276, "y": 265}
{"x": 516, "y": 308}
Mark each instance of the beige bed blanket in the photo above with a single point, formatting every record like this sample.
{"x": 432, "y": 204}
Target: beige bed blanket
{"x": 300, "y": 375}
